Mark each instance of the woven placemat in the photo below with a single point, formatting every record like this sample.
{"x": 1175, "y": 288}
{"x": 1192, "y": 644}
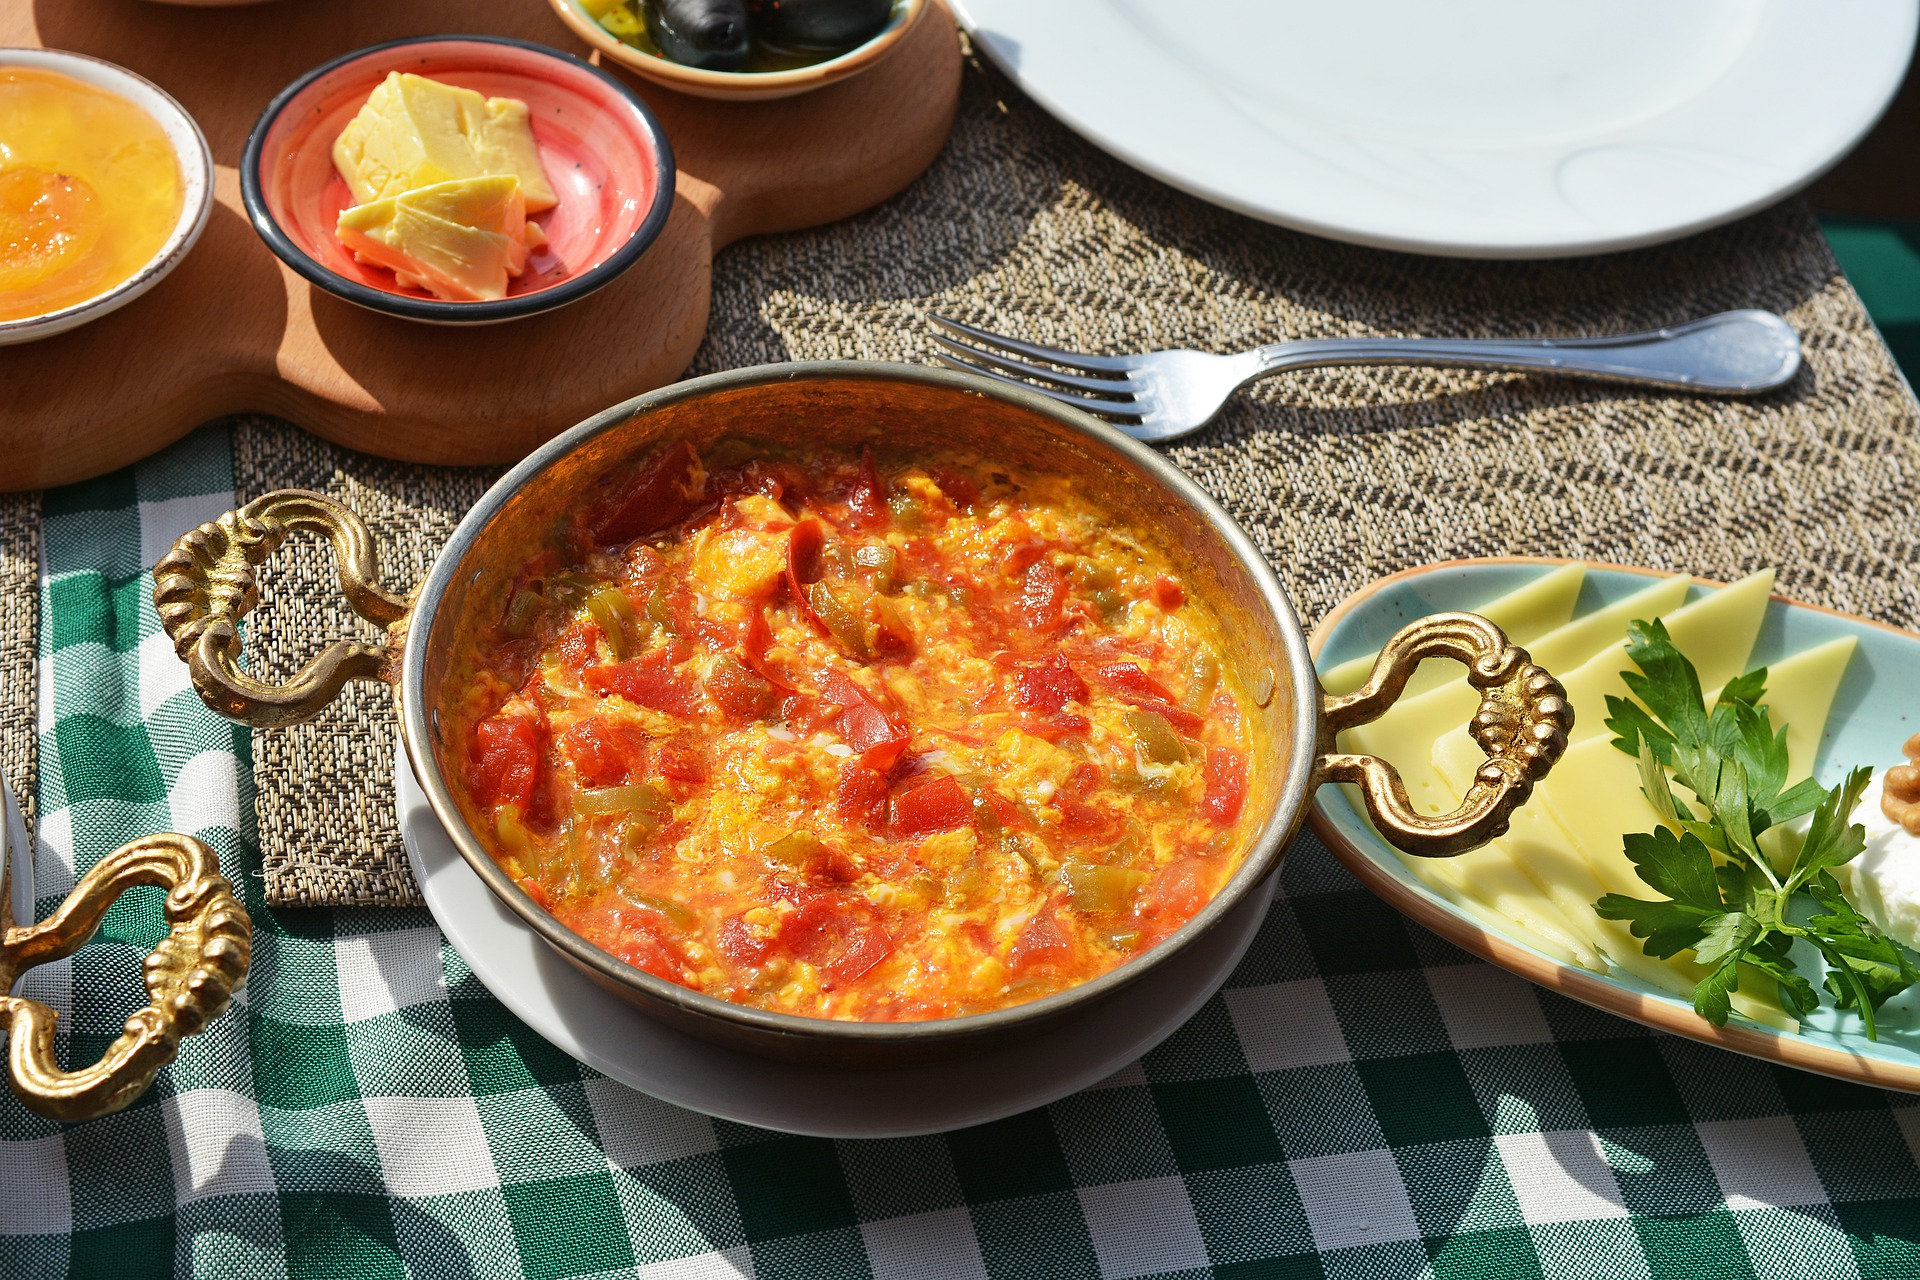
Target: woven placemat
{"x": 19, "y": 647}
{"x": 1341, "y": 475}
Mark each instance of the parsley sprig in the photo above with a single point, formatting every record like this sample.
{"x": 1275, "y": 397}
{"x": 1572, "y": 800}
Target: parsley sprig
{"x": 1726, "y": 900}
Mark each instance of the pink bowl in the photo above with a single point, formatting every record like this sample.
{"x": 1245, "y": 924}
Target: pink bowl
{"x": 603, "y": 151}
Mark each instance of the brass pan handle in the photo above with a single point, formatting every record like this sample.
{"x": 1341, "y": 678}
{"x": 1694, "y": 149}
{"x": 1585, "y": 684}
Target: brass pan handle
{"x": 209, "y": 581}
{"x": 1522, "y": 725}
{"x": 190, "y": 976}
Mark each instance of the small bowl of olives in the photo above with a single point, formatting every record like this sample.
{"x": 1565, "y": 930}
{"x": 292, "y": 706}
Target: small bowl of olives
{"x": 742, "y": 49}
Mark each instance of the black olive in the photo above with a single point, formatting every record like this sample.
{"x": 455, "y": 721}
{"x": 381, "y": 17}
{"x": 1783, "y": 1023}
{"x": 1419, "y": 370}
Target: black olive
{"x": 818, "y": 24}
{"x": 709, "y": 34}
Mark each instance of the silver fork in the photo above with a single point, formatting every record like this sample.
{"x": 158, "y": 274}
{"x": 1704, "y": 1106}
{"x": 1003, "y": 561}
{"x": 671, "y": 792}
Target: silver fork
{"x": 1160, "y": 395}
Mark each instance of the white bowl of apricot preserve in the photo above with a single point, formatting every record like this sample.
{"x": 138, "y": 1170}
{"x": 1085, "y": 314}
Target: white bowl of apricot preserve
{"x": 856, "y": 712}
{"x": 105, "y": 184}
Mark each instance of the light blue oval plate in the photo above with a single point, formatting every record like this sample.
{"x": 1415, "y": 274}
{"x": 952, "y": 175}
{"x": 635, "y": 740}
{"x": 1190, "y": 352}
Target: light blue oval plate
{"x": 1878, "y": 708}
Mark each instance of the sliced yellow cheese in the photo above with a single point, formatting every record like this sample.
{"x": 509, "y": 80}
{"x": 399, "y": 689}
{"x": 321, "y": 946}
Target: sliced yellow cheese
{"x": 1716, "y": 632}
{"x": 1495, "y": 890}
{"x": 460, "y": 240}
{"x": 1530, "y": 611}
{"x": 416, "y": 132}
{"x": 1572, "y": 646}
{"x": 1800, "y": 694}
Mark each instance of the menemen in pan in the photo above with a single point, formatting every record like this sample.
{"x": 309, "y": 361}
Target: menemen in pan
{"x": 858, "y": 739}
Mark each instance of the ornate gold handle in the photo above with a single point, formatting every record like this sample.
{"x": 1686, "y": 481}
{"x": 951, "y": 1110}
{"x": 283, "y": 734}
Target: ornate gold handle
{"x": 208, "y": 582}
{"x": 1522, "y": 725}
{"x": 190, "y": 976}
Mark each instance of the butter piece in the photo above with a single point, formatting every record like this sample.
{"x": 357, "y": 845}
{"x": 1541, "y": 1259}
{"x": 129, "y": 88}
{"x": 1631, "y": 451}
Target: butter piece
{"x": 416, "y": 132}
{"x": 459, "y": 240}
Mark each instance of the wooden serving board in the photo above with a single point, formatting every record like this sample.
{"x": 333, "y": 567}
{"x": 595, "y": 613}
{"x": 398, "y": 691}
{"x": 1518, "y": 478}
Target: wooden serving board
{"x": 233, "y": 330}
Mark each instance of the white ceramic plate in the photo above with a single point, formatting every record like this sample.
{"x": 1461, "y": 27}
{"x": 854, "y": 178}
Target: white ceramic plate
{"x": 605, "y": 1033}
{"x": 1477, "y": 128}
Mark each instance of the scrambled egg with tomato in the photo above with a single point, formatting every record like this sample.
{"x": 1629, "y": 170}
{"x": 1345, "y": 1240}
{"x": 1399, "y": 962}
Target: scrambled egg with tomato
{"x": 851, "y": 741}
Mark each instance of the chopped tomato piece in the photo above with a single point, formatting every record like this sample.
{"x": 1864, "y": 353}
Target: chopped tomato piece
{"x": 1043, "y": 597}
{"x": 868, "y": 497}
{"x": 841, "y": 935}
{"x": 1060, "y": 725}
{"x": 867, "y": 727}
{"x": 537, "y": 892}
{"x": 1166, "y": 593}
{"x": 927, "y": 805}
{"x": 578, "y": 645}
{"x": 1077, "y": 817}
{"x": 650, "y": 680}
{"x": 1128, "y": 677}
{"x": 961, "y": 491}
{"x": 666, "y": 493}
{"x": 1047, "y": 685}
{"x": 754, "y": 651}
{"x": 803, "y": 567}
{"x": 1176, "y": 893}
{"x": 1021, "y": 550}
{"x": 1007, "y": 812}
{"x": 505, "y": 763}
{"x": 1040, "y": 943}
{"x": 859, "y": 794}
{"x": 647, "y": 945}
{"x": 738, "y": 943}
{"x": 1226, "y": 776}
{"x": 682, "y": 763}
{"x": 1134, "y": 686}
{"x": 737, "y": 691}
{"x": 603, "y": 755}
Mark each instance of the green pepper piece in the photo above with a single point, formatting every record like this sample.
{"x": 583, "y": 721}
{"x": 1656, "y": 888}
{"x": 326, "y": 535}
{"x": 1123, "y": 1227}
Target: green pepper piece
{"x": 637, "y": 830}
{"x": 907, "y": 511}
{"x": 880, "y": 562}
{"x": 659, "y": 612}
{"x": 507, "y": 826}
{"x": 665, "y": 906}
{"x": 1099, "y": 888}
{"x": 571, "y": 589}
{"x": 612, "y": 610}
{"x": 1096, "y": 577}
{"x": 1203, "y": 677}
{"x": 796, "y": 849}
{"x": 841, "y": 621}
{"x": 1154, "y": 736}
{"x": 638, "y": 797}
{"x": 523, "y": 611}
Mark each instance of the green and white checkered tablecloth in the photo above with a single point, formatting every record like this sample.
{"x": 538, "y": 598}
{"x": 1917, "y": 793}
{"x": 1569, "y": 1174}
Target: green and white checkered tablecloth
{"x": 1361, "y": 1101}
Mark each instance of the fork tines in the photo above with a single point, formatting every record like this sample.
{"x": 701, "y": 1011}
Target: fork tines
{"x": 1111, "y": 395}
